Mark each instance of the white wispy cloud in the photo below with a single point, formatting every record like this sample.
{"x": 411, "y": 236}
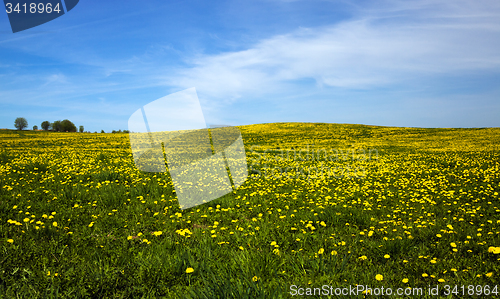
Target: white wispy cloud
{"x": 55, "y": 79}
{"x": 387, "y": 44}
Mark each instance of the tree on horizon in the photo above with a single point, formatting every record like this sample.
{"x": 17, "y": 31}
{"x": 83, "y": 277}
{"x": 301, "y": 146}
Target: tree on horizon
{"x": 20, "y": 123}
{"x": 45, "y": 125}
{"x": 56, "y": 126}
{"x": 68, "y": 126}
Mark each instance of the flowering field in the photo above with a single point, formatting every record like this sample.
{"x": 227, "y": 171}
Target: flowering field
{"x": 324, "y": 204}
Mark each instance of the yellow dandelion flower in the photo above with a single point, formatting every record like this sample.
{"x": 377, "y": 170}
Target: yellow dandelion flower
{"x": 379, "y": 277}
{"x": 494, "y": 250}
{"x": 405, "y": 280}
{"x": 189, "y": 270}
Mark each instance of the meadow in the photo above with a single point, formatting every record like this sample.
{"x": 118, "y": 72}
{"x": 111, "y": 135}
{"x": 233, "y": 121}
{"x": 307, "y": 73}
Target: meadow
{"x": 325, "y": 204}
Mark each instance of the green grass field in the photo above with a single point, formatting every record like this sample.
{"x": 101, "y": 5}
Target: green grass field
{"x": 325, "y": 204}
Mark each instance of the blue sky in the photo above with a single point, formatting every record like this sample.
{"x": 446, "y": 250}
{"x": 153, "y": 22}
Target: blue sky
{"x": 416, "y": 63}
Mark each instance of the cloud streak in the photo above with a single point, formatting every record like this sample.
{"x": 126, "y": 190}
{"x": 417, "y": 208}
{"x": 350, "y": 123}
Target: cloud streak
{"x": 379, "y": 47}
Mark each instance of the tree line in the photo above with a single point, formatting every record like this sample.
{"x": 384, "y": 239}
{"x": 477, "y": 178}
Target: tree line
{"x": 57, "y": 126}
